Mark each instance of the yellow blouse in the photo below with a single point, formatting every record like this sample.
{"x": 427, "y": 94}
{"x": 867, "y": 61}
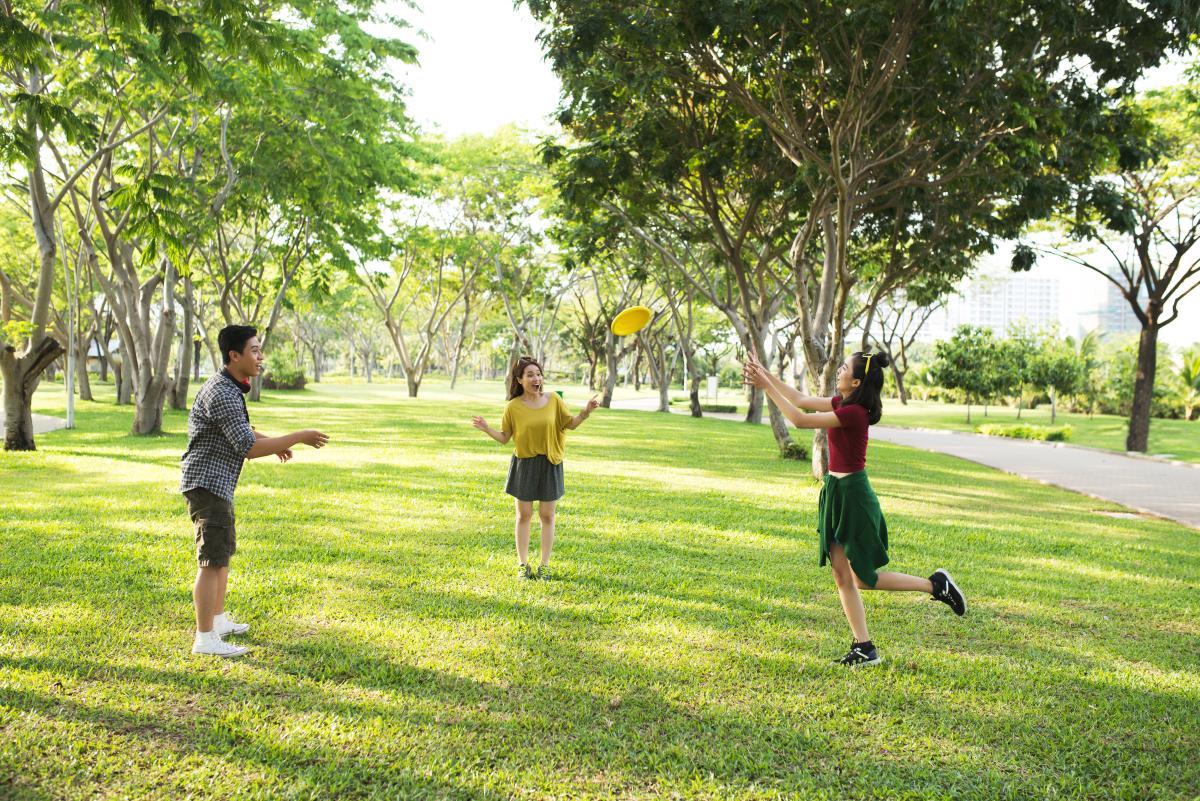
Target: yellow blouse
{"x": 537, "y": 431}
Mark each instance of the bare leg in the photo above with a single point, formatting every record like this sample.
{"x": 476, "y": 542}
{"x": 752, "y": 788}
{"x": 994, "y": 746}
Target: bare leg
{"x": 222, "y": 589}
{"x": 206, "y": 594}
{"x": 899, "y": 582}
{"x": 546, "y": 516}
{"x": 524, "y": 516}
{"x": 847, "y": 584}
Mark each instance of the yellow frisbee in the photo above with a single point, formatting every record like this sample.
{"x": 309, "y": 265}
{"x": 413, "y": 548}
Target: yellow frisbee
{"x": 631, "y": 321}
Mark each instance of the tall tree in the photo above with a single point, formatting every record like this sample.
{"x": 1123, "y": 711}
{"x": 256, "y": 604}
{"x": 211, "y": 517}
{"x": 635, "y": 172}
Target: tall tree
{"x": 966, "y": 362}
{"x": 43, "y": 53}
{"x": 673, "y": 168}
{"x": 1141, "y": 223}
{"x": 982, "y": 106}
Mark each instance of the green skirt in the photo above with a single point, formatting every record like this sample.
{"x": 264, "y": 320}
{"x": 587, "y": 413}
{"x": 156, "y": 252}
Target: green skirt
{"x": 849, "y": 514}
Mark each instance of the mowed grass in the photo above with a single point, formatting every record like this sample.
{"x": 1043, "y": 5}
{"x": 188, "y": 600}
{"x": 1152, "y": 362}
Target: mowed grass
{"x": 685, "y": 653}
{"x": 1175, "y": 439}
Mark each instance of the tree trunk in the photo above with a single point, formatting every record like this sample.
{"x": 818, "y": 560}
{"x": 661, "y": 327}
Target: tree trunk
{"x": 694, "y": 393}
{"x": 901, "y": 390}
{"x": 754, "y": 407}
{"x": 148, "y": 410}
{"x": 81, "y": 369}
{"x": 788, "y": 448}
{"x": 662, "y": 377}
{"x": 124, "y": 377}
{"x": 456, "y": 360}
{"x": 178, "y": 391}
{"x": 1053, "y": 408}
{"x": 610, "y": 376}
{"x": 255, "y": 393}
{"x": 820, "y": 452}
{"x": 154, "y": 358}
{"x": 316, "y": 358}
{"x": 413, "y": 380}
{"x": 102, "y": 347}
{"x": 1143, "y": 387}
{"x": 22, "y": 374}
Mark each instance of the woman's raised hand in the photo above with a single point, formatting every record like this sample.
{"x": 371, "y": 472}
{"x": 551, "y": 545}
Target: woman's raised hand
{"x": 479, "y": 423}
{"x": 751, "y": 360}
{"x": 593, "y": 404}
{"x": 754, "y": 373}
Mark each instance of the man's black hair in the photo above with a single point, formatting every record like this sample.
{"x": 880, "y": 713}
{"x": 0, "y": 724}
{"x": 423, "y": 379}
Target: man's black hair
{"x": 234, "y": 338}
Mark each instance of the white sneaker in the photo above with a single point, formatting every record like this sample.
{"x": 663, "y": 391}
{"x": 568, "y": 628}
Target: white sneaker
{"x": 212, "y": 645}
{"x": 224, "y": 625}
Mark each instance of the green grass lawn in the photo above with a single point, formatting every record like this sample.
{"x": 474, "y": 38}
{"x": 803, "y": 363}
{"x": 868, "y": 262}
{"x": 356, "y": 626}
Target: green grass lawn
{"x": 685, "y": 653}
{"x": 1178, "y": 439}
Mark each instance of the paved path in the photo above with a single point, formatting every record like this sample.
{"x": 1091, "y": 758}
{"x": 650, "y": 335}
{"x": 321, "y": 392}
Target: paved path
{"x": 1161, "y": 488}
{"x": 42, "y": 424}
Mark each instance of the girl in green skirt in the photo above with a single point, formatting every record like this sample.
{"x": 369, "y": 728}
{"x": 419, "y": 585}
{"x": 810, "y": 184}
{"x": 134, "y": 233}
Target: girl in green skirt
{"x": 853, "y": 532}
{"x": 537, "y": 423}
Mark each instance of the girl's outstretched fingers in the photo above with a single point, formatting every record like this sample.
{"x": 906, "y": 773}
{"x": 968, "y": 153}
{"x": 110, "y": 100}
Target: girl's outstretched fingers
{"x": 479, "y": 423}
{"x": 593, "y": 404}
{"x": 753, "y": 374}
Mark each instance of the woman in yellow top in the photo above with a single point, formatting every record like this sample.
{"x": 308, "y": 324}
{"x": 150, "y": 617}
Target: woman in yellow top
{"x": 536, "y": 422}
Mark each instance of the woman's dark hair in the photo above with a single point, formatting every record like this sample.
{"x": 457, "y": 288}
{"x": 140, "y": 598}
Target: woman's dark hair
{"x": 868, "y": 369}
{"x": 234, "y": 338}
{"x": 514, "y": 375}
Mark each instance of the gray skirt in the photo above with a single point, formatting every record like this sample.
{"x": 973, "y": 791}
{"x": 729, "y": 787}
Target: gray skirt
{"x": 534, "y": 479}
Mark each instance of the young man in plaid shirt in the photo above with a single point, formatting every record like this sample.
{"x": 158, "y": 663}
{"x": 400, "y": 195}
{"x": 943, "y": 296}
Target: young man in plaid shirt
{"x": 219, "y": 440}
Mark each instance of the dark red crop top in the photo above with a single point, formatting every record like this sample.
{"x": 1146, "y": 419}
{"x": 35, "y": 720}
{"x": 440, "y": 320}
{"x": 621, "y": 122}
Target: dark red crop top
{"x": 848, "y": 444}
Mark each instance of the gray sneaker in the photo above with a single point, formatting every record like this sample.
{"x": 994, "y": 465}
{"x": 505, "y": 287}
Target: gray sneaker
{"x": 544, "y": 573}
{"x": 524, "y": 572}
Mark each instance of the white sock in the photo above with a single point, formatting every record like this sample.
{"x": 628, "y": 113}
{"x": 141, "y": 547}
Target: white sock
{"x": 208, "y": 637}
{"x": 218, "y": 620}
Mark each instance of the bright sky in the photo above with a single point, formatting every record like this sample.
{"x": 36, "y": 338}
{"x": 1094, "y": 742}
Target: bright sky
{"x": 482, "y": 68}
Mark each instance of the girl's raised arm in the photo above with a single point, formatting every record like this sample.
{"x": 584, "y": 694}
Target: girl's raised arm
{"x": 794, "y": 396}
{"x": 761, "y": 377}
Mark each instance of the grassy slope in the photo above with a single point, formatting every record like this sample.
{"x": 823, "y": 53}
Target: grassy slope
{"x": 685, "y": 653}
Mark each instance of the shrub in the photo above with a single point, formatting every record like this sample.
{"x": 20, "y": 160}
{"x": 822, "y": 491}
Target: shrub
{"x": 284, "y": 370}
{"x": 719, "y": 408}
{"x": 731, "y": 378}
{"x": 1024, "y": 431}
{"x": 794, "y": 450}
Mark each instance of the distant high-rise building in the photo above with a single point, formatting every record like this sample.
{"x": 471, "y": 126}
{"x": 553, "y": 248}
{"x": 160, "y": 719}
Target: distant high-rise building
{"x": 1114, "y": 317}
{"x": 997, "y": 301}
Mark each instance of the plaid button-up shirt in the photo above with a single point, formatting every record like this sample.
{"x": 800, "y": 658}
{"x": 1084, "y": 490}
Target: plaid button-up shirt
{"x": 219, "y": 437}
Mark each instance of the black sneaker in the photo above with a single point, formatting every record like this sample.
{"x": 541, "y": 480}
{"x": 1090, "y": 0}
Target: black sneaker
{"x": 544, "y": 574}
{"x": 861, "y": 654}
{"x": 525, "y": 572}
{"x": 946, "y": 591}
